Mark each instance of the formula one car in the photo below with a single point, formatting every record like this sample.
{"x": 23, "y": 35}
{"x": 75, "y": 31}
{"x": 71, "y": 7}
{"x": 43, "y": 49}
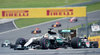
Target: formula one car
{"x": 56, "y": 25}
{"x": 6, "y": 43}
{"x": 53, "y": 40}
{"x": 36, "y": 31}
{"x": 77, "y": 42}
{"x": 74, "y": 19}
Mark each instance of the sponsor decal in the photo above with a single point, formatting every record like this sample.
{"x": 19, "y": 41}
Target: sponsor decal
{"x": 59, "y": 12}
{"x": 15, "y": 13}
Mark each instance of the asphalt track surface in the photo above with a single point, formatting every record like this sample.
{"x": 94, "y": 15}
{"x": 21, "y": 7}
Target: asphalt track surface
{"x": 69, "y": 51}
{"x": 26, "y": 33}
{"x": 7, "y": 26}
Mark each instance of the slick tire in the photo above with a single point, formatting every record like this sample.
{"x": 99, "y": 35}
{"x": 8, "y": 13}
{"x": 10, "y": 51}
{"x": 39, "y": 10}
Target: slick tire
{"x": 20, "y": 41}
{"x": 95, "y": 44}
{"x": 45, "y": 43}
{"x": 76, "y": 42}
{"x": 2, "y": 45}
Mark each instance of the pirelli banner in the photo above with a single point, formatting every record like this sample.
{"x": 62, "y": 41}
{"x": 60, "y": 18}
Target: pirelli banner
{"x": 43, "y": 12}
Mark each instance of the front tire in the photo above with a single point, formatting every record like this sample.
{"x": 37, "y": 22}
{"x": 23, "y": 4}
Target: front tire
{"x": 20, "y": 41}
{"x": 2, "y": 45}
{"x": 76, "y": 42}
{"x": 45, "y": 43}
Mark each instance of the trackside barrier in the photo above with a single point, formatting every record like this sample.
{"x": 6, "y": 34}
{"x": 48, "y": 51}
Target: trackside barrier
{"x": 43, "y": 12}
{"x": 95, "y": 38}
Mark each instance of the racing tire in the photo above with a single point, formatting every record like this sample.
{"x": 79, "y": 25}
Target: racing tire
{"x": 60, "y": 25}
{"x": 76, "y": 42}
{"x": 45, "y": 43}
{"x": 95, "y": 44}
{"x": 20, "y": 41}
{"x": 2, "y": 45}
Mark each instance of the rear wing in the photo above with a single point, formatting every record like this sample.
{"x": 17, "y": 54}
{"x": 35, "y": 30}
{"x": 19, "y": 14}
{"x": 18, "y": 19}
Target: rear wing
{"x": 71, "y": 33}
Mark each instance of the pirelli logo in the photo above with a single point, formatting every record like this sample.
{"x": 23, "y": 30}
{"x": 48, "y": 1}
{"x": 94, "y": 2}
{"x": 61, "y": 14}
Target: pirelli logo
{"x": 59, "y": 12}
{"x": 15, "y": 13}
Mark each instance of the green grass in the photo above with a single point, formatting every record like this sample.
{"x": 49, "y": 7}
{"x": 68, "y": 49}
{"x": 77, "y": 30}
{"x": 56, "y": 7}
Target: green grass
{"x": 93, "y": 7}
{"x": 37, "y": 3}
{"x": 26, "y": 22}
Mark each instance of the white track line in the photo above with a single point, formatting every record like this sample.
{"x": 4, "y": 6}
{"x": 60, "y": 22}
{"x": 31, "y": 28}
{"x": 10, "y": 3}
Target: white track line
{"x": 38, "y": 24}
{"x": 14, "y": 24}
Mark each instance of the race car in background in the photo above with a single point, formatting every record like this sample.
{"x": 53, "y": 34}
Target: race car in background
{"x": 36, "y": 31}
{"x": 53, "y": 40}
{"x": 74, "y": 19}
{"x": 57, "y": 24}
{"x": 6, "y": 43}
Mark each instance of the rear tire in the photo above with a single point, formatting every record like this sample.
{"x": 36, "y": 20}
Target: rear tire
{"x": 95, "y": 44}
{"x": 76, "y": 42}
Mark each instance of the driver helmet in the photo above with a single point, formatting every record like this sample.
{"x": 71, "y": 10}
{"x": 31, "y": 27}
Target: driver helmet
{"x": 85, "y": 37}
{"x": 46, "y": 35}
